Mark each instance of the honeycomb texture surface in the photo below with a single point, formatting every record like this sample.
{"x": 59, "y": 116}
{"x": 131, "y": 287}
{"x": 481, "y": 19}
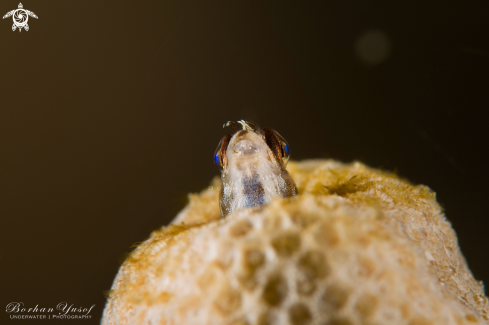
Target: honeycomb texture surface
{"x": 356, "y": 246}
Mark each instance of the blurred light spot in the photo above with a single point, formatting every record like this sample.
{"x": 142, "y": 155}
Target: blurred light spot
{"x": 373, "y": 47}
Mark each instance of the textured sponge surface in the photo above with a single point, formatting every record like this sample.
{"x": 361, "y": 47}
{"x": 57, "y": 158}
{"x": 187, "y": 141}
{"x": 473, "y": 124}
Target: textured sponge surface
{"x": 357, "y": 246}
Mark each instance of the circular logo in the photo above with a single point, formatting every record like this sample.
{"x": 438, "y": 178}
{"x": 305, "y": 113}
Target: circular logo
{"x": 20, "y": 17}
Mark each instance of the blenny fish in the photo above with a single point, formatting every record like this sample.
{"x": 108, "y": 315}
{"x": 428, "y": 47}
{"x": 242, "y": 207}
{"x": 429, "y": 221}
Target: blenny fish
{"x": 252, "y": 163}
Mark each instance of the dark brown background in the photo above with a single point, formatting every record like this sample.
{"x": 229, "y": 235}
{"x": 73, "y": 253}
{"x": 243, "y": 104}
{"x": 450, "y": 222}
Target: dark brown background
{"x": 111, "y": 111}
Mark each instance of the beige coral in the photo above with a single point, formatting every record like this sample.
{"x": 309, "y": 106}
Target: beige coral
{"x": 357, "y": 246}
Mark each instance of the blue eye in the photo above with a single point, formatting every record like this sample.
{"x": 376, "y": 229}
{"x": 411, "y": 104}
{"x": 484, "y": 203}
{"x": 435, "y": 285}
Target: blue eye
{"x": 286, "y": 150}
{"x": 220, "y": 153}
{"x": 217, "y": 162}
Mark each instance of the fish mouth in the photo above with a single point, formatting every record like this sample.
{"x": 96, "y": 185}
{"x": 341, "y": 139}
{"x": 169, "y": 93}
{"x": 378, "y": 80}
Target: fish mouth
{"x": 245, "y": 147}
{"x": 246, "y": 143}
